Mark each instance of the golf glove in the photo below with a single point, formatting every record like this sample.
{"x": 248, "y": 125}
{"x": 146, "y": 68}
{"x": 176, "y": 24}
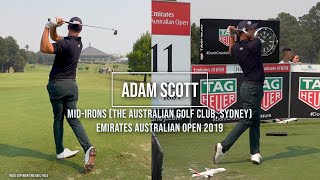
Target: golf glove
{"x": 52, "y": 22}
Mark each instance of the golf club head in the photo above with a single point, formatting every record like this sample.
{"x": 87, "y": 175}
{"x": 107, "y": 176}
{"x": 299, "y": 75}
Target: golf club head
{"x": 115, "y": 32}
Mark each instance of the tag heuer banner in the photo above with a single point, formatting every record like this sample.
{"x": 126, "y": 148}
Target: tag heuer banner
{"x": 223, "y": 88}
{"x": 222, "y": 93}
{"x": 214, "y": 40}
{"x": 305, "y": 91}
{"x": 276, "y": 91}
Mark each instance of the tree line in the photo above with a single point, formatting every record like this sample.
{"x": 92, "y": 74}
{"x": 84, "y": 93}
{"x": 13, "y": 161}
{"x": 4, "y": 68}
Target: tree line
{"x": 12, "y": 57}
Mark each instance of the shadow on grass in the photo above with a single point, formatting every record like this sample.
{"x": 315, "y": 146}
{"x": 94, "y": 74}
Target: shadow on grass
{"x": 292, "y": 151}
{"x": 13, "y": 151}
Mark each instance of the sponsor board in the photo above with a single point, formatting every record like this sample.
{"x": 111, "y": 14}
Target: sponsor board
{"x": 218, "y": 94}
{"x": 272, "y": 92}
{"x": 214, "y": 40}
{"x": 309, "y": 91}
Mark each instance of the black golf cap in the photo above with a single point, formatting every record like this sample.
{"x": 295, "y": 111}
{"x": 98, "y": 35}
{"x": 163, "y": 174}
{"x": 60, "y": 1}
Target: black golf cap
{"x": 247, "y": 25}
{"x": 75, "y": 24}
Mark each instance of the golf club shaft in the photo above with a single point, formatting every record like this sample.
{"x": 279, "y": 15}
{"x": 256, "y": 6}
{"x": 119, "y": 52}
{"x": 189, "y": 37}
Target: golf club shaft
{"x": 115, "y": 31}
{"x": 242, "y": 30}
{"x": 91, "y": 26}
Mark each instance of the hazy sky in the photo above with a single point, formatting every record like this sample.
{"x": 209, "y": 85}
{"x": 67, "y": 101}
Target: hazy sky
{"x": 25, "y": 20}
{"x": 247, "y": 9}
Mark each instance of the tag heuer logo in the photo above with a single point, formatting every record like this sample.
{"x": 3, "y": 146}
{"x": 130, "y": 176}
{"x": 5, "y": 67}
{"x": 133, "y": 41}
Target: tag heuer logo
{"x": 222, "y": 93}
{"x": 309, "y": 91}
{"x": 272, "y": 92}
{"x": 224, "y": 37}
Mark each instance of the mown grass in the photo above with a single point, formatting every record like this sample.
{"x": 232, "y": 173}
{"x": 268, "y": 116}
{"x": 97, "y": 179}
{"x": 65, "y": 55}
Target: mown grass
{"x": 295, "y": 156}
{"x": 27, "y": 144}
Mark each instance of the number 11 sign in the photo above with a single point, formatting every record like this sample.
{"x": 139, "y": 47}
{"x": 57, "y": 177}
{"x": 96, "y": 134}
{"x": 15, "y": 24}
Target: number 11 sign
{"x": 171, "y": 47}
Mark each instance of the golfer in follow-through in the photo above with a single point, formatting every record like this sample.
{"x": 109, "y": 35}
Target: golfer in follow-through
{"x": 248, "y": 53}
{"x": 62, "y": 86}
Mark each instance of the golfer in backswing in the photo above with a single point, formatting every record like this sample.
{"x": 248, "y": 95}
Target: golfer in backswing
{"x": 62, "y": 86}
{"x": 248, "y": 53}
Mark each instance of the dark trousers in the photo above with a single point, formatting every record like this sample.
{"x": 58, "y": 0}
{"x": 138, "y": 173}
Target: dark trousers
{"x": 251, "y": 95}
{"x": 63, "y": 95}
{"x": 157, "y": 159}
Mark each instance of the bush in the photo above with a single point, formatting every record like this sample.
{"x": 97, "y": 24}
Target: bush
{"x": 87, "y": 68}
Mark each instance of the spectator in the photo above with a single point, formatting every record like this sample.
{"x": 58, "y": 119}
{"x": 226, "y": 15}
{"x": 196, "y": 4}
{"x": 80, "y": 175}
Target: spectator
{"x": 286, "y": 56}
{"x": 295, "y": 58}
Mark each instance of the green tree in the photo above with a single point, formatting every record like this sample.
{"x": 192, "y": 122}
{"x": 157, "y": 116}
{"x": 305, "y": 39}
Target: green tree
{"x": 140, "y": 57}
{"x": 13, "y": 49}
{"x": 19, "y": 61}
{"x": 195, "y": 43}
{"x": 295, "y": 36}
{"x": 311, "y": 23}
{"x": 31, "y": 57}
{"x": 4, "y": 58}
{"x": 12, "y": 45}
{"x": 27, "y": 47}
{"x": 10, "y": 55}
{"x": 43, "y": 58}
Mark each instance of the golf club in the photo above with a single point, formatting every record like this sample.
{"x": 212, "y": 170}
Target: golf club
{"x": 115, "y": 32}
{"x": 243, "y": 30}
{"x": 255, "y": 34}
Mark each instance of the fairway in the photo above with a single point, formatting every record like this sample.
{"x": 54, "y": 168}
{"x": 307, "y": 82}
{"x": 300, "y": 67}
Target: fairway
{"x": 27, "y": 144}
{"x": 28, "y": 147}
{"x": 289, "y": 157}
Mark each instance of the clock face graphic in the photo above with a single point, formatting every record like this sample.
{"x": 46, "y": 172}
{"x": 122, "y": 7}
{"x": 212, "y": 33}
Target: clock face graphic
{"x": 269, "y": 40}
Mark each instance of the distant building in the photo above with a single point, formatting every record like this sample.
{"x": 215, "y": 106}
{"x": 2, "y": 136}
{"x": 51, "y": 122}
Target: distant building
{"x": 122, "y": 60}
{"x": 91, "y": 54}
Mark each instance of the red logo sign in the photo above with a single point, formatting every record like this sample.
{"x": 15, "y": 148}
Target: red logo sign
{"x": 218, "y": 94}
{"x": 216, "y": 69}
{"x": 272, "y": 92}
{"x": 170, "y": 18}
{"x": 225, "y": 40}
{"x": 309, "y": 91}
{"x": 270, "y": 99}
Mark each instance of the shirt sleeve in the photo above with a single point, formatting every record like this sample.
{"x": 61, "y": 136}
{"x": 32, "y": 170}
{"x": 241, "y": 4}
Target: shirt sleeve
{"x": 60, "y": 47}
{"x": 254, "y": 45}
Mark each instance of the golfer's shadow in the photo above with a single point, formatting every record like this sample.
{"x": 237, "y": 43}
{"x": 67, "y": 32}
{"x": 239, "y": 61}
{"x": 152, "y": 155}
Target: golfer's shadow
{"x": 292, "y": 151}
{"x": 13, "y": 151}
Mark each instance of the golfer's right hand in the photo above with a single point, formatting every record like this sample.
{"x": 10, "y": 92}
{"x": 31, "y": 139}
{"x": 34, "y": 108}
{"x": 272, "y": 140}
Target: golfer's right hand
{"x": 59, "y": 21}
{"x": 231, "y": 28}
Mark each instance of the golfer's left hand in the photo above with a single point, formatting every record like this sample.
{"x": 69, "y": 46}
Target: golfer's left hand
{"x": 54, "y": 22}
